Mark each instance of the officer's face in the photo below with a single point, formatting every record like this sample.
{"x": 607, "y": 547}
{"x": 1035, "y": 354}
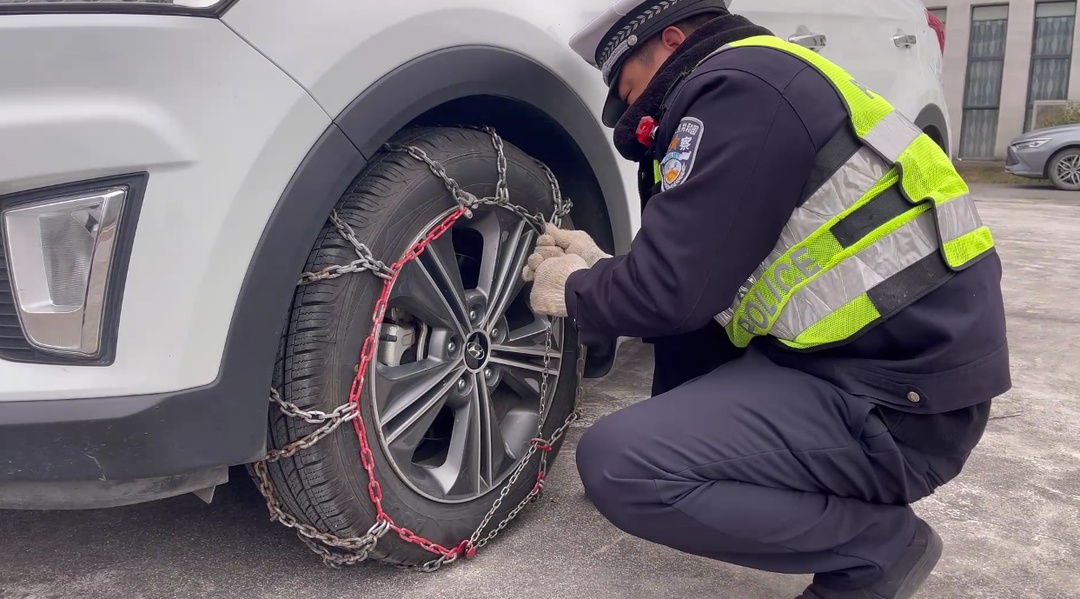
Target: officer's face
{"x": 637, "y": 72}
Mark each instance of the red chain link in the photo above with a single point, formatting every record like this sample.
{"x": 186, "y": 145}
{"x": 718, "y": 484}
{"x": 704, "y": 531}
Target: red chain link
{"x": 366, "y": 355}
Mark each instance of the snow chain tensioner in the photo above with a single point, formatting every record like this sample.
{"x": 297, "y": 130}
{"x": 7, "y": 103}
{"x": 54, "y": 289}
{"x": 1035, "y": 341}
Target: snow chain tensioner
{"x": 336, "y": 551}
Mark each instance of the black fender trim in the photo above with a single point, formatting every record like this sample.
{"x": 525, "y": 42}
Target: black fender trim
{"x": 434, "y": 79}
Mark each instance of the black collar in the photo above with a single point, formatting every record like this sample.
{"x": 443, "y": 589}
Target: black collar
{"x": 662, "y": 90}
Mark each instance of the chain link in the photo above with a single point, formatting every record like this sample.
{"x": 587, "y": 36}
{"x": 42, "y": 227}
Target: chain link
{"x": 365, "y": 260}
{"x": 336, "y": 551}
{"x": 501, "y": 198}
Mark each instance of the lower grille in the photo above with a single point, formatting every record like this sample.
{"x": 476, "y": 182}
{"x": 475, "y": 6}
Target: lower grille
{"x": 13, "y": 344}
{"x": 1010, "y": 158}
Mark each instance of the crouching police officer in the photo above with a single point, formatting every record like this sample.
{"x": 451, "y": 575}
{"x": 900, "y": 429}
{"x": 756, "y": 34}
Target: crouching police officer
{"x": 824, "y": 300}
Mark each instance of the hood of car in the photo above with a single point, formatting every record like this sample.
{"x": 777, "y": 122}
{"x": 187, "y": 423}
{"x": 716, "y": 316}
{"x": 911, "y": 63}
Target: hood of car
{"x": 1063, "y": 130}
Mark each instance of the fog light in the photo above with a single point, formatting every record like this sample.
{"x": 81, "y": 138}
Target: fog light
{"x": 59, "y": 256}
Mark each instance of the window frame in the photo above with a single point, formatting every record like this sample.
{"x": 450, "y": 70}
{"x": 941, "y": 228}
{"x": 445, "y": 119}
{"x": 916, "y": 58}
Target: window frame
{"x": 965, "y": 107}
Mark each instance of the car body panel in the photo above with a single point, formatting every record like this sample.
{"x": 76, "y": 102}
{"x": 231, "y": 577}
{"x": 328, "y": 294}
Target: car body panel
{"x": 1033, "y": 162}
{"x": 359, "y": 42}
{"x": 218, "y": 154}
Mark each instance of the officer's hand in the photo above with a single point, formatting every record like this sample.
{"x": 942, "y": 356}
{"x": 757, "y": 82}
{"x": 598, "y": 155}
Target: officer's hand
{"x": 542, "y": 252}
{"x": 549, "y": 287}
{"x": 572, "y": 242}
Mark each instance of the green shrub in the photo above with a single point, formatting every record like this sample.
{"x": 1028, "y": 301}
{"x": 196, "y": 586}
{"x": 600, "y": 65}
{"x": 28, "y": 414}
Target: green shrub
{"x": 1056, "y": 116}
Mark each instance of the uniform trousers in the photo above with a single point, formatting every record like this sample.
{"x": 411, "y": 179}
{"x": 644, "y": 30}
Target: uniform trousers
{"x": 741, "y": 460}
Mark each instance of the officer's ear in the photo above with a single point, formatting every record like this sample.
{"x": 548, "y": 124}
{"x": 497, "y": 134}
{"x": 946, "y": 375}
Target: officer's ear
{"x": 671, "y": 38}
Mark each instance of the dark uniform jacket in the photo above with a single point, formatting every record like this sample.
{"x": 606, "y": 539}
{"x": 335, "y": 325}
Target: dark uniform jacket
{"x": 764, "y": 116}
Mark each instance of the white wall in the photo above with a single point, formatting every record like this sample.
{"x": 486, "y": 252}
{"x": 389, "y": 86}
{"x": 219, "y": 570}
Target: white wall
{"x": 1017, "y": 65}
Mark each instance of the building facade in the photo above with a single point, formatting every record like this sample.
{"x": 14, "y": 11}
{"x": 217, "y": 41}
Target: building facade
{"x": 1000, "y": 57}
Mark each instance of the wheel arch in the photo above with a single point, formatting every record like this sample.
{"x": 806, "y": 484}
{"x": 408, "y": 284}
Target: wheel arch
{"x": 465, "y": 85}
{"x": 525, "y": 102}
{"x": 932, "y": 121}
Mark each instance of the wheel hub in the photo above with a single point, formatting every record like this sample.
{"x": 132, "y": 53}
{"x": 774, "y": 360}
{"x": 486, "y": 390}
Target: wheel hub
{"x": 477, "y": 351}
{"x": 464, "y": 400}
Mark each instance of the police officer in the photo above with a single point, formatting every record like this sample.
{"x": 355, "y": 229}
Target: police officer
{"x": 824, "y": 301}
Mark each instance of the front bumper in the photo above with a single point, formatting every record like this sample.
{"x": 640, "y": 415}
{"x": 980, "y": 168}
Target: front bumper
{"x": 219, "y": 131}
{"x": 113, "y": 451}
{"x": 1024, "y": 164}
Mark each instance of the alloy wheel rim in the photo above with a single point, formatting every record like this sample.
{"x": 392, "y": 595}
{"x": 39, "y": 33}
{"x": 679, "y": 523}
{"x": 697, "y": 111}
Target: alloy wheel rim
{"x": 454, "y": 418}
{"x": 1068, "y": 169}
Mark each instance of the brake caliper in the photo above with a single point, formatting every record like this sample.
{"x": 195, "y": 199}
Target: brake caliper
{"x": 395, "y": 341}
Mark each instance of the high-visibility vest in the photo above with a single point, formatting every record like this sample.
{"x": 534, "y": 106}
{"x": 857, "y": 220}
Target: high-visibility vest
{"x": 883, "y": 220}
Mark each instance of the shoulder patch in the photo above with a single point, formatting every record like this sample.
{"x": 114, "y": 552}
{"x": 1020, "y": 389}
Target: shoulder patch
{"x": 681, "y": 152}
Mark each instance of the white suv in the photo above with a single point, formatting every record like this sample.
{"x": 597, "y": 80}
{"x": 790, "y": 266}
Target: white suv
{"x": 204, "y": 200}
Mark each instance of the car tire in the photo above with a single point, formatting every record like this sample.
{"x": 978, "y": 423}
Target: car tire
{"x": 1064, "y": 169}
{"x": 934, "y": 134}
{"x": 391, "y": 204}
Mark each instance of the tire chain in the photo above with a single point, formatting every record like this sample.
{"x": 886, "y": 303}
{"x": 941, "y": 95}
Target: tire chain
{"x": 337, "y": 551}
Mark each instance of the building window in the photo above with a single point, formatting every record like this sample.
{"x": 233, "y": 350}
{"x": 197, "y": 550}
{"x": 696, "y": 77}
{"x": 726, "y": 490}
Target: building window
{"x": 939, "y": 13}
{"x": 982, "y": 93}
{"x": 1051, "y": 54}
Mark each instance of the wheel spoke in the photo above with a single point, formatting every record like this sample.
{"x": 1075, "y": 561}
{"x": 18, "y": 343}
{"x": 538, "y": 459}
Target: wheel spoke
{"x": 440, "y": 262}
{"x": 521, "y": 357}
{"x": 488, "y": 432}
{"x": 512, "y": 256}
{"x": 463, "y": 470}
{"x": 506, "y": 246}
{"x": 399, "y": 387}
{"x": 524, "y": 352}
{"x": 552, "y": 369}
{"x": 410, "y": 396}
{"x": 490, "y": 229}
{"x": 431, "y": 290}
{"x": 538, "y": 327}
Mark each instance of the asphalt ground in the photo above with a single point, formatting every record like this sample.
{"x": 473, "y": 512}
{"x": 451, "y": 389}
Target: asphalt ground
{"x": 1011, "y": 521}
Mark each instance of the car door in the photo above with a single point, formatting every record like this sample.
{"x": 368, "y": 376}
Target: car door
{"x": 856, "y": 34}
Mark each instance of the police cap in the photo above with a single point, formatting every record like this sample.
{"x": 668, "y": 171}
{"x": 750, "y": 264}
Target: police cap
{"x": 608, "y": 40}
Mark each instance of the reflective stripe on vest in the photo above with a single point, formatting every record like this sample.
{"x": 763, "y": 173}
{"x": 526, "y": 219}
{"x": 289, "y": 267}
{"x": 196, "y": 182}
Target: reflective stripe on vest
{"x": 882, "y": 228}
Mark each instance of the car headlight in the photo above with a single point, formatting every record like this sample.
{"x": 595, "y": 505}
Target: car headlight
{"x": 63, "y": 252}
{"x": 195, "y": 7}
{"x": 1030, "y": 144}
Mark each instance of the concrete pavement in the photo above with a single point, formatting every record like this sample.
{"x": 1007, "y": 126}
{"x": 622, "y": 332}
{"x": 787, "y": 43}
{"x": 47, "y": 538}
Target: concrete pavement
{"x": 1011, "y": 522}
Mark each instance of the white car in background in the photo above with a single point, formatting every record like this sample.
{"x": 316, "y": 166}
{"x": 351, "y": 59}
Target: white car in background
{"x": 169, "y": 169}
{"x": 893, "y": 46}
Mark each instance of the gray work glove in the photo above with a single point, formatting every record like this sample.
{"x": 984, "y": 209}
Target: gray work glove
{"x": 548, "y": 273}
{"x": 571, "y": 242}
